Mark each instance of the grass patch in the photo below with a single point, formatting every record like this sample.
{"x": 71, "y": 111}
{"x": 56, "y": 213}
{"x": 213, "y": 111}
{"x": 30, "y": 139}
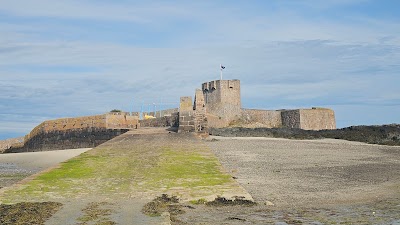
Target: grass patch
{"x": 129, "y": 169}
{"x": 187, "y": 169}
{"x": 200, "y": 201}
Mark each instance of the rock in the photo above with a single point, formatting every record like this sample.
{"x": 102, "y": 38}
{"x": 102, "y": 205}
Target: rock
{"x": 268, "y": 203}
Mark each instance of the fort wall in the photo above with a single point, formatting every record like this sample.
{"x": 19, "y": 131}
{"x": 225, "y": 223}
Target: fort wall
{"x": 290, "y": 118}
{"x": 171, "y": 120}
{"x": 309, "y": 119}
{"x": 67, "y": 139}
{"x": 162, "y": 113}
{"x": 214, "y": 121}
{"x": 6, "y": 144}
{"x": 264, "y": 118}
{"x": 186, "y": 115}
{"x": 40, "y": 138}
{"x": 223, "y": 108}
{"x": 317, "y": 119}
{"x": 200, "y": 119}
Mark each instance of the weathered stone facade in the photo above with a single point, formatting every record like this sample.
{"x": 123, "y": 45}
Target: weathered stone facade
{"x": 263, "y": 118}
{"x": 169, "y": 120}
{"x": 6, "y": 144}
{"x": 222, "y": 108}
{"x": 200, "y": 120}
{"x": 317, "y": 119}
{"x": 67, "y": 139}
{"x": 222, "y": 98}
{"x": 42, "y": 136}
{"x": 186, "y": 115}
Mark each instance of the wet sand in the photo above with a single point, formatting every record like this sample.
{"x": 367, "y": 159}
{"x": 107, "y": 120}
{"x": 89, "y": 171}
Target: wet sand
{"x": 297, "y": 173}
{"x": 16, "y": 166}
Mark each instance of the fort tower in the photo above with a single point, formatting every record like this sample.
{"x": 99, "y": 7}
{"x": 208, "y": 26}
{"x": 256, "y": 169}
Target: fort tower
{"x": 222, "y": 98}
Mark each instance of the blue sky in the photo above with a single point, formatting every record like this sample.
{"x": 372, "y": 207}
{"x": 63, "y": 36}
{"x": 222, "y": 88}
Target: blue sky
{"x": 74, "y": 58}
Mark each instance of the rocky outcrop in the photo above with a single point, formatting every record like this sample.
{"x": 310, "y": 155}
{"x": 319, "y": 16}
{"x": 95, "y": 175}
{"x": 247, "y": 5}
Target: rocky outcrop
{"x": 383, "y": 135}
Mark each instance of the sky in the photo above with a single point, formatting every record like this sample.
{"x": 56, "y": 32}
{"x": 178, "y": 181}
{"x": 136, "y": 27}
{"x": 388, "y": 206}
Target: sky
{"x": 70, "y": 58}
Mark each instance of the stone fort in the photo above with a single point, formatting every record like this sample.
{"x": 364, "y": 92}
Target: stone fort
{"x": 217, "y": 104}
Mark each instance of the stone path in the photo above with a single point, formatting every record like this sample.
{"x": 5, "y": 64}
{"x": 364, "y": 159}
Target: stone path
{"x": 110, "y": 183}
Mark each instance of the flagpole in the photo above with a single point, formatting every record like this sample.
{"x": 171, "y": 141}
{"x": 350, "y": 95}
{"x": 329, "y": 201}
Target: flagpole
{"x": 220, "y": 67}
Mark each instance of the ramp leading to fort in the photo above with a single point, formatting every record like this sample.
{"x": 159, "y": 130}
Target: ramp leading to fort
{"x": 128, "y": 171}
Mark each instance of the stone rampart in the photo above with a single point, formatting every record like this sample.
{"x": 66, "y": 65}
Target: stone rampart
{"x": 166, "y": 121}
{"x": 87, "y": 125}
{"x": 115, "y": 121}
{"x": 290, "y": 118}
{"x": 264, "y": 118}
{"x": 317, "y": 119}
{"x": 67, "y": 139}
{"x": 6, "y": 144}
{"x": 218, "y": 105}
{"x": 309, "y": 119}
{"x": 214, "y": 121}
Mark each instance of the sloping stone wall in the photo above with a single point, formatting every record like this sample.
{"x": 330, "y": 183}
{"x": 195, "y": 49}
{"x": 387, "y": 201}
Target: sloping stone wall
{"x": 6, "y": 144}
{"x": 67, "y": 139}
{"x": 89, "y": 131}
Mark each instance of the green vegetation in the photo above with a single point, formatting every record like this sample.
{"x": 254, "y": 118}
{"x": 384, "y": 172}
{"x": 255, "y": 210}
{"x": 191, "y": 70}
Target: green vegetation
{"x": 187, "y": 169}
{"x": 131, "y": 170}
{"x": 200, "y": 201}
{"x": 98, "y": 213}
{"x": 116, "y": 110}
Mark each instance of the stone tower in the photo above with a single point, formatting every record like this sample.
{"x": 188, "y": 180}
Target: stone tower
{"x": 222, "y": 99}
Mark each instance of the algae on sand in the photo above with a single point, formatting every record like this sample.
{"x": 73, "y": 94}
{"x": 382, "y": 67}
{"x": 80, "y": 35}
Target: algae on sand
{"x": 150, "y": 164}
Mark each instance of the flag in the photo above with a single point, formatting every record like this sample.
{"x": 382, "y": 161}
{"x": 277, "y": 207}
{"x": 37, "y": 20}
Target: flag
{"x": 222, "y": 67}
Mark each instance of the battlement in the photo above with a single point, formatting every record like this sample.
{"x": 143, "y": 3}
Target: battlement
{"x": 220, "y": 84}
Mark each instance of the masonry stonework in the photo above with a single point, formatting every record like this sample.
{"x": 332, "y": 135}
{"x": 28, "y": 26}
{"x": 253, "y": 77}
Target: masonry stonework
{"x": 222, "y": 98}
{"x": 200, "y": 120}
{"x": 96, "y": 129}
{"x": 217, "y": 104}
{"x": 264, "y": 118}
{"x": 317, "y": 119}
{"x": 6, "y": 144}
{"x": 290, "y": 118}
{"x": 186, "y": 115}
{"x": 223, "y": 109}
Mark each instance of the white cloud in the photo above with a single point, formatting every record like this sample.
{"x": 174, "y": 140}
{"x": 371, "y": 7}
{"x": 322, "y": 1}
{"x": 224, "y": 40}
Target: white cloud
{"x": 283, "y": 58}
{"x": 95, "y": 10}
